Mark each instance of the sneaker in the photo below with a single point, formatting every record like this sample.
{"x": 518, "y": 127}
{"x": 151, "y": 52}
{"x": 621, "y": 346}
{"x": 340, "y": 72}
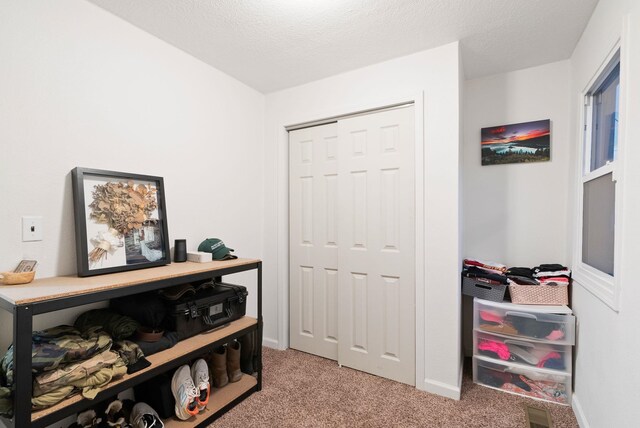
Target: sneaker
{"x": 143, "y": 416}
{"x": 185, "y": 393}
{"x": 87, "y": 419}
{"x": 200, "y": 376}
{"x": 114, "y": 414}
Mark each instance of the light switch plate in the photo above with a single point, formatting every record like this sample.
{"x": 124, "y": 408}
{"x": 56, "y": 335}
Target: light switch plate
{"x": 31, "y": 228}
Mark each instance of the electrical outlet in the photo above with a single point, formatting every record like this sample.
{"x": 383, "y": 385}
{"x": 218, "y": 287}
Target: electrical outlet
{"x": 31, "y": 228}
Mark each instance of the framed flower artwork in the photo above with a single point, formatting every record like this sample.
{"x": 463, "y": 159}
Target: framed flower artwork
{"x": 120, "y": 221}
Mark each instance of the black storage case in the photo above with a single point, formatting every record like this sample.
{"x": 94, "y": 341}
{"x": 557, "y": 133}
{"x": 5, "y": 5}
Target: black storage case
{"x": 207, "y": 309}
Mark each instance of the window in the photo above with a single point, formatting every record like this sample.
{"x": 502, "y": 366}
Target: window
{"x": 595, "y": 258}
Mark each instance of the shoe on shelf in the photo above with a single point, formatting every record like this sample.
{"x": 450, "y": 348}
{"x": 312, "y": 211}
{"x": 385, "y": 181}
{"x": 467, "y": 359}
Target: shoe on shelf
{"x": 247, "y": 348}
{"x": 144, "y": 416}
{"x": 200, "y": 376}
{"x": 114, "y": 414}
{"x": 185, "y": 393}
{"x": 233, "y": 361}
{"x": 218, "y": 366}
{"x": 87, "y": 419}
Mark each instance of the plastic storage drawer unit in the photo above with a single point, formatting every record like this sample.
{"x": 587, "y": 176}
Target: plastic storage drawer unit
{"x": 540, "y": 384}
{"x": 530, "y": 324}
{"x": 522, "y": 352}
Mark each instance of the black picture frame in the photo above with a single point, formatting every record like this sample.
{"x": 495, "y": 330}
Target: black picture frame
{"x": 120, "y": 232}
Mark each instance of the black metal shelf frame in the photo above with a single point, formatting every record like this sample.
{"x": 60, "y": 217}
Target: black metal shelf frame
{"x": 23, "y": 329}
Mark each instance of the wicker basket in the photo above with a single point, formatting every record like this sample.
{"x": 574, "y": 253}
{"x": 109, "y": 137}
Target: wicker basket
{"x": 15, "y": 278}
{"x": 539, "y": 294}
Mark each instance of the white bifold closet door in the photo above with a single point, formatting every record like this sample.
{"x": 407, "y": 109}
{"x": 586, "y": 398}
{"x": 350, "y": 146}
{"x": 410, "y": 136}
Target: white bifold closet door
{"x": 313, "y": 235}
{"x": 352, "y": 194}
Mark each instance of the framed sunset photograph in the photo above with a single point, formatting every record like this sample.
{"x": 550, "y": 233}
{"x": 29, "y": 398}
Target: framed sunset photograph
{"x": 516, "y": 143}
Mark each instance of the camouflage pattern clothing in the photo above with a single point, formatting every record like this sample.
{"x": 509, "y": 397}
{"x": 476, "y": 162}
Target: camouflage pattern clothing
{"x": 55, "y": 346}
{"x": 88, "y": 377}
{"x": 118, "y": 326}
{"x": 50, "y": 349}
{"x": 132, "y": 355}
{"x": 71, "y": 373}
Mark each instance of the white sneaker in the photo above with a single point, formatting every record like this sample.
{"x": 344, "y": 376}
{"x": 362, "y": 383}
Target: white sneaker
{"x": 200, "y": 376}
{"x": 185, "y": 393}
{"x": 144, "y": 416}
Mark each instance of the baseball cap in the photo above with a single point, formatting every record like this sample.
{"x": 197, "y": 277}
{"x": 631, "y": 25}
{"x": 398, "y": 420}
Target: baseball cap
{"x": 217, "y": 249}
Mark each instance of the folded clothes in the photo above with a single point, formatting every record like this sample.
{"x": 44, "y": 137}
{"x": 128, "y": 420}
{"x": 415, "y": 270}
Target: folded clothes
{"x": 522, "y": 280}
{"x": 88, "y": 386}
{"x": 476, "y": 272}
{"x": 56, "y": 346}
{"x": 566, "y": 273}
{"x": 549, "y": 267}
{"x": 520, "y": 271}
{"x": 118, "y": 326}
{"x": 71, "y": 373}
{"x": 493, "y": 266}
{"x": 554, "y": 280}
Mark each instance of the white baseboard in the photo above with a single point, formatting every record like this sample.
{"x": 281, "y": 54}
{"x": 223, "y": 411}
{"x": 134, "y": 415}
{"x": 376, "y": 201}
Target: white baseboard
{"x": 440, "y": 388}
{"x": 577, "y": 410}
{"x": 270, "y": 343}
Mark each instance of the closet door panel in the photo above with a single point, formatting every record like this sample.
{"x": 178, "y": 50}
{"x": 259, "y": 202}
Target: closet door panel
{"x": 377, "y": 263}
{"x": 313, "y": 240}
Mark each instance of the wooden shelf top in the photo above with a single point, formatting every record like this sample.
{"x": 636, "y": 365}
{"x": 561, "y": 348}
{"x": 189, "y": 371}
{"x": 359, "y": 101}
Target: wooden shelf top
{"x": 45, "y": 289}
{"x": 161, "y": 358}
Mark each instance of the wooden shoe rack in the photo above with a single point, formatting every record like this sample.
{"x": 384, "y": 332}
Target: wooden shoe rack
{"x": 52, "y": 294}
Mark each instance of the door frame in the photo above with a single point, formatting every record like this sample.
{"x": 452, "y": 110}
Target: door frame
{"x": 282, "y": 201}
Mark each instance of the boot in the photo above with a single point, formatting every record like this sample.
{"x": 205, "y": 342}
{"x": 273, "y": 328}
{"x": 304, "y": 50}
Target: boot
{"x": 218, "y": 367}
{"x": 246, "y": 353}
{"x": 233, "y": 361}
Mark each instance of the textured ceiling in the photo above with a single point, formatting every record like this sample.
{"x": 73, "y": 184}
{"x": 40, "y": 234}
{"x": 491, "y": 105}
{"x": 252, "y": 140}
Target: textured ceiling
{"x": 275, "y": 44}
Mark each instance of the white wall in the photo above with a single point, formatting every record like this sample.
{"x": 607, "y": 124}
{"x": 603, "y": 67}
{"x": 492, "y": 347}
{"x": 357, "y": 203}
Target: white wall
{"x": 434, "y": 75}
{"x": 607, "y": 349}
{"x": 516, "y": 213}
{"x": 502, "y": 220}
{"x": 81, "y": 87}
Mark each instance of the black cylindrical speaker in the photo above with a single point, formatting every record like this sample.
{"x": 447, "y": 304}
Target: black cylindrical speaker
{"x": 180, "y": 251}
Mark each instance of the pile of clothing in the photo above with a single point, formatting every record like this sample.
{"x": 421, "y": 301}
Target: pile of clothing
{"x": 552, "y": 274}
{"x": 514, "y": 325}
{"x": 543, "y": 357}
{"x": 545, "y": 274}
{"x": 521, "y": 384}
{"x": 83, "y": 358}
{"x": 485, "y": 271}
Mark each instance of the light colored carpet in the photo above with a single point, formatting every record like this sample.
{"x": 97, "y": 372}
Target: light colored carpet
{"x": 302, "y": 390}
